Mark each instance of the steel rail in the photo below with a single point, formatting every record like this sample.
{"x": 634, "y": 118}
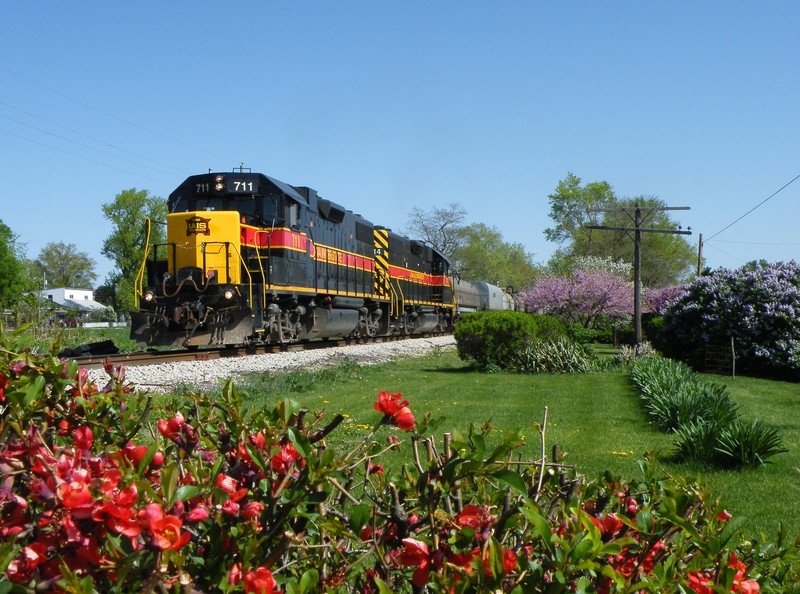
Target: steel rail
{"x": 155, "y": 357}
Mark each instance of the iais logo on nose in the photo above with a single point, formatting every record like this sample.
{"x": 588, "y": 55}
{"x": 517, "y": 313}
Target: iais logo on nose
{"x": 198, "y": 226}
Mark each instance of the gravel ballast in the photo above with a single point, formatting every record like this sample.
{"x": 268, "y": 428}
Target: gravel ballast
{"x": 207, "y": 375}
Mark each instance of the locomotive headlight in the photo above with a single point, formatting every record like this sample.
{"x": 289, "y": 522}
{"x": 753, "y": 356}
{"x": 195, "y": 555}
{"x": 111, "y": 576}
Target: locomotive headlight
{"x": 228, "y": 294}
{"x": 149, "y": 296}
{"x": 219, "y": 184}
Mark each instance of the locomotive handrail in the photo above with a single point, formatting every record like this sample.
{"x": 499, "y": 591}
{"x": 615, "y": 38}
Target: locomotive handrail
{"x": 395, "y": 301}
{"x": 264, "y": 279}
{"x": 401, "y": 302}
{"x": 138, "y": 281}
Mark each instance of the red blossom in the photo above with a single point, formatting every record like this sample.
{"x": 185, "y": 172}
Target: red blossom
{"x": 171, "y": 428}
{"x": 416, "y": 554}
{"x": 82, "y": 438}
{"x": 231, "y": 486}
{"x": 403, "y": 419}
{"x": 167, "y": 534}
{"x": 509, "y": 562}
{"x": 702, "y": 582}
{"x": 395, "y": 410}
{"x": 252, "y": 509}
{"x": 235, "y": 574}
{"x": 260, "y": 581}
{"x": 388, "y": 403}
{"x": 196, "y": 515}
{"x": 75, "y": 494}
{"x": 22, "y": 567}
{"x": 478, "y": 519}
{"x": 286, "y": 456}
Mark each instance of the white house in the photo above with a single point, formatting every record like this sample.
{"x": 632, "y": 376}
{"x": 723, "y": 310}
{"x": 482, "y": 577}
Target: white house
{"x": 79, "y": 299}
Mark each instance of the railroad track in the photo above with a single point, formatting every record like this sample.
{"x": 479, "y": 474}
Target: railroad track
{"x": 155, "y": 357}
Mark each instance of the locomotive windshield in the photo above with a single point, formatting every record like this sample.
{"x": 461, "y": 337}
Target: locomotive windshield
{"x": 256, "y": 210}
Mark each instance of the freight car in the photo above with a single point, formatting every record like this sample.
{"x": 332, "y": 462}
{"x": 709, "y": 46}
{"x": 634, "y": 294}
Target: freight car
{"x": 474, "y": 296}
{"x": 251, "y": 259}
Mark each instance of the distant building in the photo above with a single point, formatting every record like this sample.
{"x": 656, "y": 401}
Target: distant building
{"x": 81, "y": 300}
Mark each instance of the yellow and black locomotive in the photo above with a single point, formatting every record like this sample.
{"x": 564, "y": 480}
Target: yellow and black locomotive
{"x": 250, "y": 259}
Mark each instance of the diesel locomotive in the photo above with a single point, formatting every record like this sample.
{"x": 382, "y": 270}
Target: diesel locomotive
{"x": 251, "y": 259}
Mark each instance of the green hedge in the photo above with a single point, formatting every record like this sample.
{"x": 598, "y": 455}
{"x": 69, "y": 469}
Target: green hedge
{"x": 495, "y": 338}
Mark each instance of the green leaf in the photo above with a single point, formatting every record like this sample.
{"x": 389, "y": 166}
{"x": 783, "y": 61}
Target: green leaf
{"x": 479, "y": 443}
{"x": 512, "y": 479}
{"x": 34, "y": 390}
{"x": 169, "y": 482}
{"x": 7, "y": 553}
{"x": 496, "y": 559}
{"x": 309, "y": 581}
{"x": 359, "y": 516}
{"x": 542, "y": 526}
{"x": 382, "y": 587}
{"x": 255, "y": 455}
{"x": 301, "y": 443}
{"x": 186, "y": 492}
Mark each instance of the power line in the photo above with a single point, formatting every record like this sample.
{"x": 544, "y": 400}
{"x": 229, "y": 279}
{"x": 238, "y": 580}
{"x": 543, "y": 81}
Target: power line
{"x": 111, "y": 115}
{"x": 80, "y": 144}
{"x": 55, "y": 148}
{"x": 757, "y": 243}
{"x": 755, "y": 207}
{"x": 79, "y": 133}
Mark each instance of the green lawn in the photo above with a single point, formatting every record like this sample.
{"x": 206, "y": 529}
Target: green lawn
{"x": 596, "y": 419}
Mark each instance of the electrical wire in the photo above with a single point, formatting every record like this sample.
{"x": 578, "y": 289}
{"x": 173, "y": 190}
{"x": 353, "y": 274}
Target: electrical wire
{"x": 111, "y": 115}
{"x": 754, "y": 208}
{"x": 79, "y": 133}
{"x": 80, "y": 144}
{"x": 55, "y": 148}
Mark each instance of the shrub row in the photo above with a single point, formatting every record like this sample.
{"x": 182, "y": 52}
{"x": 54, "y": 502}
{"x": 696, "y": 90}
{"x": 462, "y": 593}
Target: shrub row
{"x": 702, "y": 416}
{"x": 105, "y": 491}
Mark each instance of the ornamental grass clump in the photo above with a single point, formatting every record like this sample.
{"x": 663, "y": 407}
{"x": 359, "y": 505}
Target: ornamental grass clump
{"x": 559, "y": 356}
{"x": 702, "y": 416}
{"x": 103, "y": 490}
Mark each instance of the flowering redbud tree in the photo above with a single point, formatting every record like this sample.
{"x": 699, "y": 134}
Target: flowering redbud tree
{"x": 582, "y": 298}
{"x": 656, "y": 301}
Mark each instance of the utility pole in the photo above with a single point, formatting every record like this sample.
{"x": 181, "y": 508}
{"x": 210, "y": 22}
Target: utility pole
{"x": 637, "y": 250}
{"x": 700, "y": 255}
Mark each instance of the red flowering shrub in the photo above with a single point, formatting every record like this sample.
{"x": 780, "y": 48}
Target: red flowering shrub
{"x": 100, "y": 491}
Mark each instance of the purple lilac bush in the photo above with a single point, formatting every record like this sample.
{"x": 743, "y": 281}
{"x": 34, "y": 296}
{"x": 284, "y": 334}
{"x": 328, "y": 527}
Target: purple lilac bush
{"x": 759, "y": 308}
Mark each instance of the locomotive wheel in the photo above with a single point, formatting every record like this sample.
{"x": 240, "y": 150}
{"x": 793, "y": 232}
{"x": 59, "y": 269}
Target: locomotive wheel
{"x": 370, "y": 323}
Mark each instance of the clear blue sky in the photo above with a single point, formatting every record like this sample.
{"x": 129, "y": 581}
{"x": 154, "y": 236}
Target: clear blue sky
{"x": 383, "y": 106}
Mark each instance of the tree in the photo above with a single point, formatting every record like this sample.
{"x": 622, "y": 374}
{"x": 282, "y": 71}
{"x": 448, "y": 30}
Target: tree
{"x": 485, "y": 256}
{"x": 126, "y": 244}
{"x": 12, "y": 270}
{"x": 569, "y": 205}
{"x": 584, "y": 297}
{"x": 666, "y": 259}
{"x": 63, "y": 265}
{"x": 441, "y": 227}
